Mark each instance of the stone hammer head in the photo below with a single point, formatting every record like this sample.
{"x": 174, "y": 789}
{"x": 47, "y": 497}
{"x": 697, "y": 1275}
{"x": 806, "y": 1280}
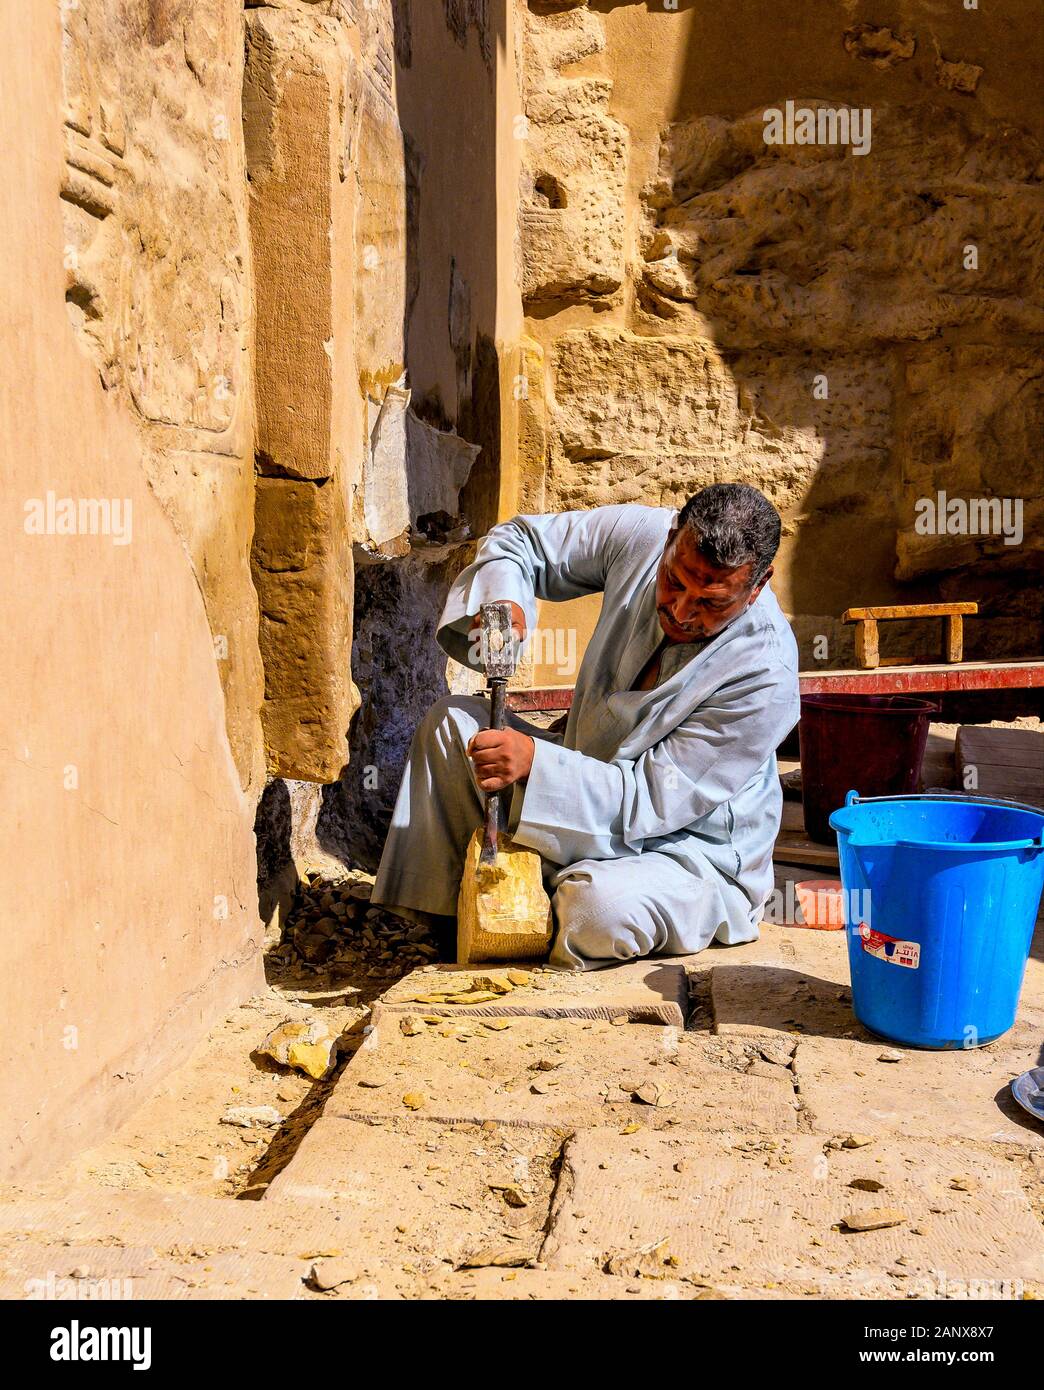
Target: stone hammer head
{"x": 498, "y": 642}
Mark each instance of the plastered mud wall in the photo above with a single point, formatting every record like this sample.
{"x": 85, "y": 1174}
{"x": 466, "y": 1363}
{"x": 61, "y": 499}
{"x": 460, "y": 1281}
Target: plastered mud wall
{"x": 852, "y": 327}
{"x": 130, "y": 916}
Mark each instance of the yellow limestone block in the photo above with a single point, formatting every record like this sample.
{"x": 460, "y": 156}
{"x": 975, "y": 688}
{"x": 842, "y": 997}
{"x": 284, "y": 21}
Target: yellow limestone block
{"x": 503, "y": 912}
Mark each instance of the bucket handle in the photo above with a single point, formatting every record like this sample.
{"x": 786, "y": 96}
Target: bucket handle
{"x": 853, "y": 798}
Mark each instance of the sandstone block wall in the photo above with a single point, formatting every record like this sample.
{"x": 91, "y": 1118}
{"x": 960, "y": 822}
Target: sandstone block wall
{"x": 702, "y": 306}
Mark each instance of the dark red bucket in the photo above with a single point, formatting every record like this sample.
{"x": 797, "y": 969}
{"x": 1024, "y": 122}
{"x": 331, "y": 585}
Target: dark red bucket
{"x": 874, "y": 743}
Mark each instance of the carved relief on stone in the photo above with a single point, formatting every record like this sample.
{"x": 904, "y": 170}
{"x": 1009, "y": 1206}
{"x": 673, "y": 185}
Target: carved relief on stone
{"x": 847, "y": 270}
{"x": 156, "y": 280}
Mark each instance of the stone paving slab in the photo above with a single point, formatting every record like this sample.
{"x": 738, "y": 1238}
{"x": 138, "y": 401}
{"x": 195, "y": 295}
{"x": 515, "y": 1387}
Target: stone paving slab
{"x": 169, "y": 1222}
{"x": 561, "y": 1072}
{"x": 38, "y": 1270}
{"x": 421, "y": 1193}
{"x": 647, "y": 991}
{"x": 820, "y": 953}
{"x": 824, "y": 954}
{"x": 963, "y": 1093}
{"x": 754, "y": 1000}
{"x": 768, "y": 1214}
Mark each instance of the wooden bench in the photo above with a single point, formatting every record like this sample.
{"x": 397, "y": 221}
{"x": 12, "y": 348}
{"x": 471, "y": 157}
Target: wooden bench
{"x": 866, "y": 620}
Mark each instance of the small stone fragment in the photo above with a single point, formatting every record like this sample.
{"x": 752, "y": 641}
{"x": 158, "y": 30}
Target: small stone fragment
{"x": 252, "y": 1116}
{"x": 961, "y": 1183}
{"x": 511, "y": 1195}
{"x": 856, "y": 1141}
{"x": 520, "y": 978}
{"x": 889, "y": 1055}
{"x": 769, "y": 1070}
{"x": 414, "y": 1100}
{"x": 496, "y": 1024}
{"x": 618, "y": 1019}
{"x": 867, "y": 1185}
{"x": 488, "y": 1256}
{"x": 499, "y": 984}
{"x": 331, "y": 1274}
{"x": 958, "y": 77}
{"x": 632, "y": 1128}
{"x": 648, "y": 1093}
{"x": 409, "y": 1026}
{"x": 873, "y": 1219}
{"x": 306, "y": 1045}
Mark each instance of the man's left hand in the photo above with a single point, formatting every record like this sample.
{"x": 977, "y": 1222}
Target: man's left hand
{"x": 501, "y": 757}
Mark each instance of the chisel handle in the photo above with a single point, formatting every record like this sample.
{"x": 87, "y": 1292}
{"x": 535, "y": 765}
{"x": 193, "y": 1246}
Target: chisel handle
{"x": 497, "y": 700}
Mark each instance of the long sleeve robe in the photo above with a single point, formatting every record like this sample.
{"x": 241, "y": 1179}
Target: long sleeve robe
{"x": 684, "y": 772}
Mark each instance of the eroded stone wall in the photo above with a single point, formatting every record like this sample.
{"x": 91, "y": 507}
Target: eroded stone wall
{"x": 705, "y": 306}
{"x": 373, "y": 222}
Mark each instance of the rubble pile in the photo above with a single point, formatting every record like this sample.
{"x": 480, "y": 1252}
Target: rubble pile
{"x": 333, "y": 929}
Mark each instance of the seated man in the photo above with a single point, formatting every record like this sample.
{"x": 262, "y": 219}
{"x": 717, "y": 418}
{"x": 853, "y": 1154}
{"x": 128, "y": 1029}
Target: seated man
{"x": 656, "y": 809}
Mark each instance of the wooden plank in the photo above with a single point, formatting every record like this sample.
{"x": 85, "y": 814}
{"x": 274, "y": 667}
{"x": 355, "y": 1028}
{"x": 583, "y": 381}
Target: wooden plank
{"x": 793, "y": 817}
{"x": 1001, "y": 747}
{"x": 954, "y": 637}
{"x": 1012, "y": 783}
{"x": 1002, "y": 762}
{"x": 791, "y": 848}
{"x": 866, "y": 644}
{"x": 893, "y": 661}
{"x": 908, "y": 610}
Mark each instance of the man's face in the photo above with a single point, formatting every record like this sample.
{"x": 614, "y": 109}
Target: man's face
{"x": 695, "y": 599}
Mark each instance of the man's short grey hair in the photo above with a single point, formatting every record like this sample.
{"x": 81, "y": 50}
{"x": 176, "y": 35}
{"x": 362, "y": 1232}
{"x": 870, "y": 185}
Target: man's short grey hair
{"x": 733, "y": 525}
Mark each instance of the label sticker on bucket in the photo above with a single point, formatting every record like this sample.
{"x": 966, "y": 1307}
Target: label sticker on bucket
{"x": 890, "y": 948}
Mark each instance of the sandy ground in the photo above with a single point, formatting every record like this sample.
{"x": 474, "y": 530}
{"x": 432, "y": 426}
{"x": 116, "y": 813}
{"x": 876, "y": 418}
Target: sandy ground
{"x": 715, "y": 1127}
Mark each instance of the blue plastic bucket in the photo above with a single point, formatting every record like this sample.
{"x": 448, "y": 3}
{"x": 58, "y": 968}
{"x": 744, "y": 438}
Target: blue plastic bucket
{"x": 941, "y": 895}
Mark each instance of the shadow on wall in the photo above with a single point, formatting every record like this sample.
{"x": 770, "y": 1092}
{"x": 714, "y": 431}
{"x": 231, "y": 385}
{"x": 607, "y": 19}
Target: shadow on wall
{"x": 844, "y": 323}
{"x": 868, "y": 299}
{"x": 454, "y": 371}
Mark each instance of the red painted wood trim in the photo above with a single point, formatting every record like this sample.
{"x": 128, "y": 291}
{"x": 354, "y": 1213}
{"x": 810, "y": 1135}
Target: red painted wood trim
{"x": 902, "y": 680}
{"x": 887, "y": 680}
